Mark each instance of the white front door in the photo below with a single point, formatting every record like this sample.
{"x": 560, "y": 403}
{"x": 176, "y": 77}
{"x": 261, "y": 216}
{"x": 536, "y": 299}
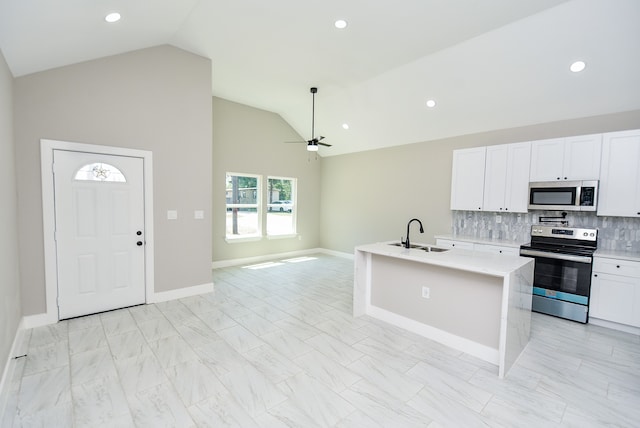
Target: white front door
{"x": 99, "y": 232}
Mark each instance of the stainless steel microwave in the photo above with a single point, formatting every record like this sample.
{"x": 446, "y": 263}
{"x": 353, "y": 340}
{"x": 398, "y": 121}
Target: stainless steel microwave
{"x": 563, "y": 195}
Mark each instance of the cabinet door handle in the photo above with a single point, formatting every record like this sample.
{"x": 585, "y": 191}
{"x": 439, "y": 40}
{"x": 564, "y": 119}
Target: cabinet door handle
{"x": 595, "y": 274}
{"x": 618, "y": 266}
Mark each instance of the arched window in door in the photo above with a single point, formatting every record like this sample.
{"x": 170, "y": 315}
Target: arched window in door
{"x": 100, "y": 172}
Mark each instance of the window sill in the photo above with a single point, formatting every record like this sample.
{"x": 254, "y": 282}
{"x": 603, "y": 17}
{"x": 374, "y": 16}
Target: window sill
{"x": 288, "y": 236}
{"x": 242, "y": 239}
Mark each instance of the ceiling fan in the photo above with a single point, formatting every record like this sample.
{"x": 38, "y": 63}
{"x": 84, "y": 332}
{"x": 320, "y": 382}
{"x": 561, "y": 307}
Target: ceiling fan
{"x": 313, "y": 143}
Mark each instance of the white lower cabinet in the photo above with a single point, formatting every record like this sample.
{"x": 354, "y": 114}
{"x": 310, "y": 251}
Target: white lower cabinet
{"x": 447, "y": 243}
{"x": 615, "y": 291}
{"x": 497, "y": 249}
{"x": 476, "y": 246}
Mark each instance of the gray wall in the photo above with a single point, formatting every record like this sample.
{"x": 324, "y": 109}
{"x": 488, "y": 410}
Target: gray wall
{"x": 10, "y": 308}
{"x": 370, "y": 196}
{"x": 156, "y": 99}
{"x": 249, "y": 140}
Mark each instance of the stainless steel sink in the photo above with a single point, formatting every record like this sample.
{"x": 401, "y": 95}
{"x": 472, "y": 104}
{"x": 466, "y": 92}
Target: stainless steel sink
{"x": 434, "y": 249}
{"x": 398, "y": 244}
{"x": 427, "y": 248}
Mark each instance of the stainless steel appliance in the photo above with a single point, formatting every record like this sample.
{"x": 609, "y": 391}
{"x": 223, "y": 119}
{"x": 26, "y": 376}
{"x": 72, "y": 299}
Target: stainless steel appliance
{"x": 563, "y": 195}
{"x": 562, "y": 273}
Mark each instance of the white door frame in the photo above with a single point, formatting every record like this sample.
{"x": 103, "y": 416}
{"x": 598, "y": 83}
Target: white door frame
{"x": 48, "y": 216}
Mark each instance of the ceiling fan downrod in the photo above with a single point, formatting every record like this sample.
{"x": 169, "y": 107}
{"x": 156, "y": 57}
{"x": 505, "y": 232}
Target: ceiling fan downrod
{"x": 313, "y": 112}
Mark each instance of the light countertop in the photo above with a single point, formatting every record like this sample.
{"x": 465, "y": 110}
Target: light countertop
{"x": 618, "y": 254}
{"x": 471, "y": 261}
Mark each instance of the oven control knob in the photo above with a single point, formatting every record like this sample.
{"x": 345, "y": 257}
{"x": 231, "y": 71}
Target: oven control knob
{"x": 585, "y": 234}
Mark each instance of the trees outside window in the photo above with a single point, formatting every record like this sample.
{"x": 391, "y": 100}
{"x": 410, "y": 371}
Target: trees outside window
{"x": 245, "y": 213}
{"x": 243, "y": 205}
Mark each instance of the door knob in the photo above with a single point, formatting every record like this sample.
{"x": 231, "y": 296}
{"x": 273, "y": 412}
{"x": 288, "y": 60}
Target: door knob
{"x": 139, "y": 243}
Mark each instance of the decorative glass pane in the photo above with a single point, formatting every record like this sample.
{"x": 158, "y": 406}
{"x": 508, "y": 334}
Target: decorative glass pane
{"x": 100, "y": 172}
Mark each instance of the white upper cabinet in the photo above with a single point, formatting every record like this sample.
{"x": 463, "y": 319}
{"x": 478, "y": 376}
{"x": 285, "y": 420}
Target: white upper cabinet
{"x": 582, "y": 157}
{"x": 572, "y": 158}
{"x": 506, "y": 177}
{"x": 620, "y": 175}
{"x": 467, "y": 180}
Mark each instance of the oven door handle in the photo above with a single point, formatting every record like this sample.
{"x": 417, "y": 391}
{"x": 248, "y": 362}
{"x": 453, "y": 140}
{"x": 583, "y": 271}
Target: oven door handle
{"x": 545, "y": 254}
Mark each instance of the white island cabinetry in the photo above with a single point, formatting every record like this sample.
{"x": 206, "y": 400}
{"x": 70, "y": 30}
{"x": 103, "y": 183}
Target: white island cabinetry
{"x": 478, "y": 303}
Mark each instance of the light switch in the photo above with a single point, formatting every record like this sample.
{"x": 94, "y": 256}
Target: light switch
{"x": 172, "y": 215}
{"x": 198, "y": 214}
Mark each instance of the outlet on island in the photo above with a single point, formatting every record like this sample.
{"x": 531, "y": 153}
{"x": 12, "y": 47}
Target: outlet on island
{"x": 425, "y": 292}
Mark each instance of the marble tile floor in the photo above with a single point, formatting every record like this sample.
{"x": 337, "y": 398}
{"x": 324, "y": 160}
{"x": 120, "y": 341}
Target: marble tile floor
{"x": 276, "y": 346}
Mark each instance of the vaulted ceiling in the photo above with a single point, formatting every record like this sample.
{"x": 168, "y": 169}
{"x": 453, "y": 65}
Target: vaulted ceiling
{"x": 488, "y": 64}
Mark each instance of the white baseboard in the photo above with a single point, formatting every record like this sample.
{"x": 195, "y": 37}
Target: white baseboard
{"x": 259, "y": 259}
{"x": 38, "y": 320}
{"x": 349, "y": 256}
{"x": 615, "y": 326}
{"x": 180, "y": 293}
{"x": 18, "y": 348}
{"x": 476, "y": 349}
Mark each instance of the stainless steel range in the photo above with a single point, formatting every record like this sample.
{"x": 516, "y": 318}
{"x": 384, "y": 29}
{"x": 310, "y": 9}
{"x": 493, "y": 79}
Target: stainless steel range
{"x": 562, "y": 274}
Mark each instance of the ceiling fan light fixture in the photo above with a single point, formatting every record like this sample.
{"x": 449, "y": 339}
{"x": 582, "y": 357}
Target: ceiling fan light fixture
{"x": 312, "y": 147}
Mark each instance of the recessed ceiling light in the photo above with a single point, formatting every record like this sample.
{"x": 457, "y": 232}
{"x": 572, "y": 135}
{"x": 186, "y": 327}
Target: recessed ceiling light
{"x": 112, "y": 17}
{"x": 340, "y": 24}
{"x": 345, "y": 126}
{"x": 577, "y": 66}
{"x": 431, "y": 103}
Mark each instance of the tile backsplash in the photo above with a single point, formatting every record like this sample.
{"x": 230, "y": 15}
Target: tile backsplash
{"x": 614, "y": 233}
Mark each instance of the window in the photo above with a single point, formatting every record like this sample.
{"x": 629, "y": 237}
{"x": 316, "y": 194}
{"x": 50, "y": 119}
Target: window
{"x": 281, "y": 206}
{"x": 243, "y": 206}
{"x": 100, "y": 172}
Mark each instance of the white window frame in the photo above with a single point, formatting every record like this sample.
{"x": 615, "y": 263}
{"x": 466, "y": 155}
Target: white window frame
{"x": 258, "y": 206}
{"x": 294, "y": 209}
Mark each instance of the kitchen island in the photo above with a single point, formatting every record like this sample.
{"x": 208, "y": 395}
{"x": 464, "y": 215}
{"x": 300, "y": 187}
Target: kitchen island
{"x": 475, "y": 302}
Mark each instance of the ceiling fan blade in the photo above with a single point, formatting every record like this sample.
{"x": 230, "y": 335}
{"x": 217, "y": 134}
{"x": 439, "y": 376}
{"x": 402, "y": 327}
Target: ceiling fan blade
{"x": 295, "y": 142}
{"x": 320, "y": 138}
{"x": 324, "y": 144}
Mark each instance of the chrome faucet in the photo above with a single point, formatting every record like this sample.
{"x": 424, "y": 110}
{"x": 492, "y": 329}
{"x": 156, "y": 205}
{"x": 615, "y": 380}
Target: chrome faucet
{"x": 406, "y": 243}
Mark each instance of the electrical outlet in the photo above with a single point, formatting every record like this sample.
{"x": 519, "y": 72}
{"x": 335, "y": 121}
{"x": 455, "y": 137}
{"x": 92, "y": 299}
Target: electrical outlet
{"x": 498, "y": 218}
{"x": 426, "y": 292}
